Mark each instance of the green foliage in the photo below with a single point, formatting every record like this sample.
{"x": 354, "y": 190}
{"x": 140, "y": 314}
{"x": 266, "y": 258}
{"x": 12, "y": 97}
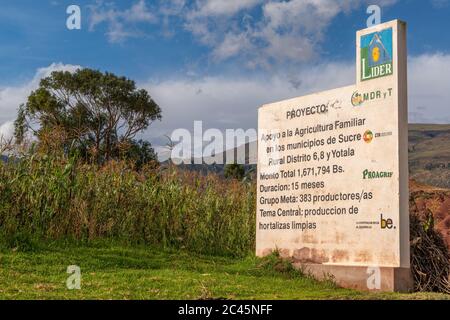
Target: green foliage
{"x": 113, "y": 271}
{"x": 20, "y": 124}
{"x": 52, "y": 198}
{"x": 234, "y": 171}
{"x": 19, "y": 241}
{"x": 140, "y": 153}
{"x": 274, "y": 262}
{"x": 96, "y": 113}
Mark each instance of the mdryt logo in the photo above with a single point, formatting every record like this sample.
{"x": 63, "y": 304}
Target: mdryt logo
{"x": 376, "y": 55}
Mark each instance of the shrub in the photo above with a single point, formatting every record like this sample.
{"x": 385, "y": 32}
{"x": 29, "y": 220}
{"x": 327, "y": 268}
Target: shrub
{"x": 50, "y": 198}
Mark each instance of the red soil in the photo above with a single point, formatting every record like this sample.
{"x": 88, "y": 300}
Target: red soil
{"x": 435, "y": 201}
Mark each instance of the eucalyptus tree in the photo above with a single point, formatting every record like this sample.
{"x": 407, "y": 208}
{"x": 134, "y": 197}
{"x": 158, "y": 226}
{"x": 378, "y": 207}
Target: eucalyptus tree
{"x": 91, "y": 111}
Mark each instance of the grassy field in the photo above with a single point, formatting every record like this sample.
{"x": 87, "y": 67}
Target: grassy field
{"x": 117, "y": 272}
{"x": 202, "y": 218}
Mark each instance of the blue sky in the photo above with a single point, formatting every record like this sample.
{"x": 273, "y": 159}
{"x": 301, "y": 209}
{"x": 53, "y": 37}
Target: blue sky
{"x": 217, "y": 60}
{"x": 34, "y": 35}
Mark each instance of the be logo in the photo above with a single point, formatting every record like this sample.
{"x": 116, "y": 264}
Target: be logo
{"x": 386, "y": 223}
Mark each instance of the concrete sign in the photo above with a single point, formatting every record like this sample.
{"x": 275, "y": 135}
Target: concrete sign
{"x": 333, "y": 171}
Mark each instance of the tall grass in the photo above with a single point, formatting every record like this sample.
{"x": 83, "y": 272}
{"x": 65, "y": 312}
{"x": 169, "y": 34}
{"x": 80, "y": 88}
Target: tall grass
{"x": 51, "y": 198}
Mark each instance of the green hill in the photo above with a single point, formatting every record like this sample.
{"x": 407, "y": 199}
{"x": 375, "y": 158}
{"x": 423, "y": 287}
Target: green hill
{"x": 429, "y": 154}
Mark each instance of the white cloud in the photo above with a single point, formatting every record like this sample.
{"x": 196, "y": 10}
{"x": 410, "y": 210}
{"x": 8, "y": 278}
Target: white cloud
{"x": 13, "y": 96}
{"x": 231, "y": 45}
{"x": 439, "y": 4}
{"x": 138, "y": 12}
{"x": 281, "y": 32}
{"x": 259, "y": 32}
{"x": 207, "y": 8}
{"x": 231, "y": 101}
{"x": 6, "y": 131}
{"x": 121, "y": 24}
{"x": 429, "y": 94}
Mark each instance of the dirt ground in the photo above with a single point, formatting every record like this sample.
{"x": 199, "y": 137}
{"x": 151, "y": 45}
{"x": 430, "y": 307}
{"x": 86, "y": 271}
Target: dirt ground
{"x": 435, "y": 201}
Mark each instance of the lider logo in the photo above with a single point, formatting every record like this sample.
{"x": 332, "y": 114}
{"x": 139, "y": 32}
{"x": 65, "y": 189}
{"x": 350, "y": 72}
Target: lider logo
{"x": 376, "y": 55}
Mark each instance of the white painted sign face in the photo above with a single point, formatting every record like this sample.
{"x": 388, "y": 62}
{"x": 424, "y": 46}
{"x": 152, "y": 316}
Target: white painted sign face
{"x": 332, "y": 166}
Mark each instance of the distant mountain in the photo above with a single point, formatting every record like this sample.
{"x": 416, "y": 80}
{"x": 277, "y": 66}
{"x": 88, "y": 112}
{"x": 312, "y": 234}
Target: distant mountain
{"x": 429, "y": 155}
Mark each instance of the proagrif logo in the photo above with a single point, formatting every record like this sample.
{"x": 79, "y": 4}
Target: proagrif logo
{"x": 371, "y": 175}
{"x": 376, "y": 55}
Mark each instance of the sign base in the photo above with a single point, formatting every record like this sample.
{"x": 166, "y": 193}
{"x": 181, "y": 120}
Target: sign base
{"x": 362, "y": 278}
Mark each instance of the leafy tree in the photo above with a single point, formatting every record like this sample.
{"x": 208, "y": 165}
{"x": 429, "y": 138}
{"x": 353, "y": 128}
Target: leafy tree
{"x": 234, "y": 171}
{"x": 141, "y": 153}
{"x": 88, "y": 110}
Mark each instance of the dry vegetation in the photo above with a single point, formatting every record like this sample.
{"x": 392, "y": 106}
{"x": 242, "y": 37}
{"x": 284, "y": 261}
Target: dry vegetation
{"x": 45, "y": 198}
{"x": 48, "y": 198}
